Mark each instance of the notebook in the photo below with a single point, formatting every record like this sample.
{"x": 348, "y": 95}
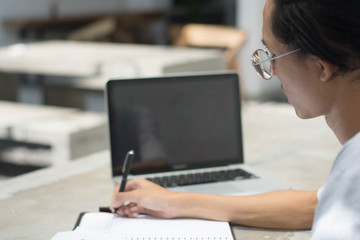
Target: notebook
{"x": 108, "y": 226}
{"x": 113, "y": 226}
{"x": 186, "y": 133}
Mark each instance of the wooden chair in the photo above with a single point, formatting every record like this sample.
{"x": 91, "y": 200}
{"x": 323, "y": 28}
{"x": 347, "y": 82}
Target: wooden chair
{"x": 99, "y": 30}
{"x": 215, "y": 36}
{"x": 124, "y": 28}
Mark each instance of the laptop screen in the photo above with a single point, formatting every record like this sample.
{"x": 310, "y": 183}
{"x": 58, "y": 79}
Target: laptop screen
{"x": 175, "y": 122}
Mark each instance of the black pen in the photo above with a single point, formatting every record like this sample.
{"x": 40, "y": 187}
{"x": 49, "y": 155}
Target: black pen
{"x": 125, "y": 172}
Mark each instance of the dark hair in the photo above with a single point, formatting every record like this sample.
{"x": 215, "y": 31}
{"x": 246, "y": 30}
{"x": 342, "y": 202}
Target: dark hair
{"x": 328, "y": 29}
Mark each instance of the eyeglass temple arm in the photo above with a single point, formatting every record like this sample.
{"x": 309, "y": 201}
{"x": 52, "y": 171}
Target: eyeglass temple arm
{"x": 273, "y": 58}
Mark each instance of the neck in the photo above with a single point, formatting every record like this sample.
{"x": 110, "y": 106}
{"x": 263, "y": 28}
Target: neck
{"x": 344, "y": 116}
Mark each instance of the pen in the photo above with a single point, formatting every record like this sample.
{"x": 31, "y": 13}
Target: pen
{"x": 125, "y": 172}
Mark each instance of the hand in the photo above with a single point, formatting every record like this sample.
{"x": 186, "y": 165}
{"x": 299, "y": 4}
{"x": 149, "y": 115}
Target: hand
{"x": 143, "y": 197}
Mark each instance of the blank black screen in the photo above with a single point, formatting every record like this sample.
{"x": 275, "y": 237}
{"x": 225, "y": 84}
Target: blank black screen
{"x": 175, "y": 123}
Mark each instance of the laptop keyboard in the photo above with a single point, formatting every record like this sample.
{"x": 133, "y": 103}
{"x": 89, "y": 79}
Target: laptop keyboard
{"x": 202, "y": 177}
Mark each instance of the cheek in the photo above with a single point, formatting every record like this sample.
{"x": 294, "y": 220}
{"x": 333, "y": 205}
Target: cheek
{"x": 289, "y": 78}
{"x": 293, "y": 88}
{"x": 302, "y": 97}
{"x": 301, "y": 90}
{"x": 294, "y": 77}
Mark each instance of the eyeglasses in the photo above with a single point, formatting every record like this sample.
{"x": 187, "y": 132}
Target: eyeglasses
{"x": 261, "y": 61}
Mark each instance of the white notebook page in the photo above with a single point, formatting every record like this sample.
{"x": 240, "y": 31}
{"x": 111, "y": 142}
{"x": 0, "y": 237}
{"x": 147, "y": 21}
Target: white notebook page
{"x": 148, "y": 228}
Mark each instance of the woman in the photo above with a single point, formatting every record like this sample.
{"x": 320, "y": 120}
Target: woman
{"x": 313, "y": 48}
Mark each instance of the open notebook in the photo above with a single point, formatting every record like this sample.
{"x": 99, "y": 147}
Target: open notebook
{"x": 108, "y": 226}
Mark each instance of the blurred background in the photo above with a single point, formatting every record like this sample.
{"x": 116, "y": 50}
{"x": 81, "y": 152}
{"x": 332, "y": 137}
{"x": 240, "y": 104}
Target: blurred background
{"x": 56, "y": 56}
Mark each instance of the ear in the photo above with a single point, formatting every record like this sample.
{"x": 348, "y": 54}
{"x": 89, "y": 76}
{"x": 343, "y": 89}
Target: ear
{"x": 327, "y": 70}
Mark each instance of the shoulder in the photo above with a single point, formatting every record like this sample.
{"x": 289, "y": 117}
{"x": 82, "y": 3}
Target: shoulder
{"x": 345, "y": 170}
{"x": 349, "y": 157}
{"x": 352, "y": 147}
{"x": 338, "y": 211}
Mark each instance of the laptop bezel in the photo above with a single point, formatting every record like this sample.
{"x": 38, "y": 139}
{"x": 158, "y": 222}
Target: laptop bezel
{"x": 221, "y": 162}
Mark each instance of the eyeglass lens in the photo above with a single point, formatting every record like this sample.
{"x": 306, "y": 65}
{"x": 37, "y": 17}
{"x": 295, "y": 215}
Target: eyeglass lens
{"x": 261, "y": 63}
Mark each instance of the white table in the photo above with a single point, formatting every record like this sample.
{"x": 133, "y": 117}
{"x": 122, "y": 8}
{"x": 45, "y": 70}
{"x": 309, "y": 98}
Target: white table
{"x": 84, "y": 59}
{"x": 69, "y": 133}
{"x": 38, "y": 205}
{"x": 83, "y": 65}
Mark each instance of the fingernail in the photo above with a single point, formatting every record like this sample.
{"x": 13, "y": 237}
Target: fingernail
{"x": 115, "y": 204}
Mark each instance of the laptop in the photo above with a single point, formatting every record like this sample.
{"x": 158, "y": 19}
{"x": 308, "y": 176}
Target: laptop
{"x": 186, "y": 133}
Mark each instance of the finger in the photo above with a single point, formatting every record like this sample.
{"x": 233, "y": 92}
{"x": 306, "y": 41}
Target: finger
{"x": 115, "y": 204}
{"x": 133, "y": 211}
{"x": 113, "y": 199}
{"x": 121, "y": 211}
{"x": 124, "y": 199}
{"x": 132, "y": 184}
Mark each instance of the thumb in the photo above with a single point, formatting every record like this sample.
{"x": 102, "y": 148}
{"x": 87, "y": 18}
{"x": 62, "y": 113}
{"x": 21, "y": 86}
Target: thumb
{"x": 123, "y": 199}
{"x": 116, "y": 191}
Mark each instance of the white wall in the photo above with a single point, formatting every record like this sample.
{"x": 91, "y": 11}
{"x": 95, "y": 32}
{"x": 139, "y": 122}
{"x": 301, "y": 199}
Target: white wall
{"x": 19, "y": 9}
{"x": 249, "y": 18}
{"x": 44, "y": 9}
{"x": 7, "y": 36}
{"x": 95, "y": 7}
{"x": 22, "y": 9}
